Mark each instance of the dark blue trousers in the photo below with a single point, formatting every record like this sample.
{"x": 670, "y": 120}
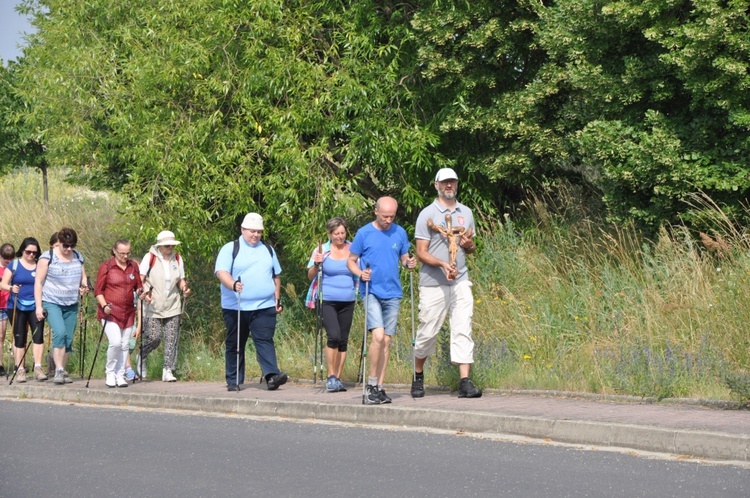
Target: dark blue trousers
{"x": 262, "y": 325}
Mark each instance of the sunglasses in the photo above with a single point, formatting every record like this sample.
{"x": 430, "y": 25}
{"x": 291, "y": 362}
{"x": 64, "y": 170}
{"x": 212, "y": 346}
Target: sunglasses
{"x": 68, "y": 246}
{"x": 29, "y": 253}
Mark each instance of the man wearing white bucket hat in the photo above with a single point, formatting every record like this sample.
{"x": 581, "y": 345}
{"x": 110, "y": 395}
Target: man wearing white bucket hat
{"x": 248, "y": 270}
{"x": 163, "y": 274}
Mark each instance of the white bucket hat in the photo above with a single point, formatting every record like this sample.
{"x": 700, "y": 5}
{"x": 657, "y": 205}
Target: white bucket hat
{"x": 166, "y": 238}
{"x": 252, "y": 221}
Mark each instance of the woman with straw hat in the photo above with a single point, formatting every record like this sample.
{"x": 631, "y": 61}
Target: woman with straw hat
{"x": 163, "y": 274}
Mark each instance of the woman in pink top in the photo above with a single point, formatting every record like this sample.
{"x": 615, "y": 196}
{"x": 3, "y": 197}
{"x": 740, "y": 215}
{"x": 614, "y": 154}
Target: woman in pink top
{"x": 7, "y": 253}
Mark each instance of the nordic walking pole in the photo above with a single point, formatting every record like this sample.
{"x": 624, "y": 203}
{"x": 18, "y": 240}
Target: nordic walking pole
{"x": 23, "y": 358}
{"x": 82, "y": 337}
{"x": 97, "y": 352}
{"x": 184, "y": 302}
{"x": 363, "y": 359}
{"x": 319, "y": 314}
{"x": 413, "y": 333}
{"x": 139, "y": 317}
{"x": 50, "y": 356}
{"x": 80, "y": 341}
{"x": 239, "y": 306}
{"x": 362, "y": 352}
{"x": 11, "y": 353}
{"x": 140, "y": 361}
{"x": 84, "y": 328}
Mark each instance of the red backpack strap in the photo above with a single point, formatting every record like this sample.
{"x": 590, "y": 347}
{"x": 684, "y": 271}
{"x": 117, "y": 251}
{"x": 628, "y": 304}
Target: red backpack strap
{"x": 151, "y": 263}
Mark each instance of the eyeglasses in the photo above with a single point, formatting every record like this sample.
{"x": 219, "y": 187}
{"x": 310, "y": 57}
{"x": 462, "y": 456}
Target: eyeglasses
{"x": 125, "y": 254}
{"x": 29, "y": 253}
{"x": 68, "y": 246}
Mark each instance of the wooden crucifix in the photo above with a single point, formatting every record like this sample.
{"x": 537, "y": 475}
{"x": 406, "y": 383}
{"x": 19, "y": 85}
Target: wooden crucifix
{"x": 453, "y": 234}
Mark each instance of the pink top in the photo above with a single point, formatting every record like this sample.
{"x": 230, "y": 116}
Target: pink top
{"x": 4, "y": 295}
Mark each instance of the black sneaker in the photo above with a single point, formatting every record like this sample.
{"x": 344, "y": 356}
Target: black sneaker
{"x": 233, "y": 387}
{"x": 276, "y": 380}
{"x": 384, "y": 398}
{"x": 467, "y": 390}
{"x": 372, "y": 395}
{"x": 2, "y": 371}
{"x": 417, "y": 387}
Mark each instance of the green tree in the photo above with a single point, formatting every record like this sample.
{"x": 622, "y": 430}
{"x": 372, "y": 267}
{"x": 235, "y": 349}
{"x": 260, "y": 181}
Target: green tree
{"x": 20, "y": 144}
{"x": 203, "y": 111}
{"x": 643, "y": 102}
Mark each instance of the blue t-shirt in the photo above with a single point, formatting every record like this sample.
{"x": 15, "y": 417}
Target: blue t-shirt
{"x": 338, "y": 284}
{"x": 382, "y": 249}
{"x": 255, "y": 266}
{"x": 25, "y": 278}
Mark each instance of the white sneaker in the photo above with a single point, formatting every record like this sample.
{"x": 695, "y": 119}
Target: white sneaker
{"x": 166, "y": 376}
{"x": 141, "y": 369}
{"x": 111, "y": 380}
{"x": 121, "y": 381}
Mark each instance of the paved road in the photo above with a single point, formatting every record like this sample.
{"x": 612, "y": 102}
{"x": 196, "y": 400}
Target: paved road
{"x": 73, "y": 450}
{"x": 681, "y": 429}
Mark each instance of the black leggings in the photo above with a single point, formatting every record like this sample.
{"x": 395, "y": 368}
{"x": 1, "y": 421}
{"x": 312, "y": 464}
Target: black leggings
{"x": 337, "y": 320}
{"x": 22, "y": 320}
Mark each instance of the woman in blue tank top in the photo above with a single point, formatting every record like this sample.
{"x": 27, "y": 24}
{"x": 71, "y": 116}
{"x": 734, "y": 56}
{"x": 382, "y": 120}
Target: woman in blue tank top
{"x": 18, "y": 279}
{"x": 338, "y": 293}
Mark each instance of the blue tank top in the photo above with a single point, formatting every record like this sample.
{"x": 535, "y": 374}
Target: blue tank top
{"x": 338, "y": 284}
{"x": 25, "y": 278}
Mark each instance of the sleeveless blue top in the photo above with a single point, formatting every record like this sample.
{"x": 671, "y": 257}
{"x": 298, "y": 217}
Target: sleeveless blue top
{"x": 337, "y": 281}
{"x": 25, "y": 278}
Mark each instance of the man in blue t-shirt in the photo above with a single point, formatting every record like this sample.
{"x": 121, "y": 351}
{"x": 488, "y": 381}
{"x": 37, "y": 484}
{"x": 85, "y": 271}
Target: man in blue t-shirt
{"x": 250, "y": 261}
{"x": 381, "y": 245}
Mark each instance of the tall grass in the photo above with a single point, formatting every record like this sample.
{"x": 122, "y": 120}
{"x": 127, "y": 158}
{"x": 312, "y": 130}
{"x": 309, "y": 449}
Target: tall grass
{"x": 587, "y": 306}
{"x": 95, "y": 216}
{"x": 563, "y": 300}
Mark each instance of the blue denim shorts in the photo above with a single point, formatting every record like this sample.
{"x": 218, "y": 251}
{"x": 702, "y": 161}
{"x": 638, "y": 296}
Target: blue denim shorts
{"x": 3, "y": 315}
{"x": 382, "y": 313}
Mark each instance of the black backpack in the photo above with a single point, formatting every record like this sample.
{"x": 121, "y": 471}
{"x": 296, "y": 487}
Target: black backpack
{"x": 236, "y": 251}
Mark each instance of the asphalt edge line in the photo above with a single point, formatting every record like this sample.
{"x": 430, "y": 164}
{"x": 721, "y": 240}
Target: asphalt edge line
{"x": 692, "y": 443}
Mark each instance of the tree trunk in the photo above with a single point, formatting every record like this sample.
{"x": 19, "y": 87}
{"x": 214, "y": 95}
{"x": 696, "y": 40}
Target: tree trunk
{"x": 43, "y": 167}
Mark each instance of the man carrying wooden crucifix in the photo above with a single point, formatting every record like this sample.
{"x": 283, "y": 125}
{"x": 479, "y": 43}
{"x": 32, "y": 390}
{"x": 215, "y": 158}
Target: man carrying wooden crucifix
{"x": 445, "y": 233}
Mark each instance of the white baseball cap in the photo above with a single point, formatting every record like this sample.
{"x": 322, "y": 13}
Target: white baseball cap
{"x": 446, "y": 174}
{"x": 252, "y": 221}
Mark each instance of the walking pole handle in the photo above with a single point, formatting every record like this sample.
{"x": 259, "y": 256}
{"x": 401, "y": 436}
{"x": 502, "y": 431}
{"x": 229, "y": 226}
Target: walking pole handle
{"x": 239, "y": 314}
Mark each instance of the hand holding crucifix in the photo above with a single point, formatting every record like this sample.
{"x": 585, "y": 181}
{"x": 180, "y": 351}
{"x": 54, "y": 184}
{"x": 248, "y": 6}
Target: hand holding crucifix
{"x": 452, "y": 234}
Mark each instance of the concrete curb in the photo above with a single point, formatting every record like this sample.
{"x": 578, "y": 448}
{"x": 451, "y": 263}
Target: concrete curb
{"x": 712, "y": 445}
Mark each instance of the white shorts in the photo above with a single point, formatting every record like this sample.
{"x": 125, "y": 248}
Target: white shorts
{"x": 434, "y": 304}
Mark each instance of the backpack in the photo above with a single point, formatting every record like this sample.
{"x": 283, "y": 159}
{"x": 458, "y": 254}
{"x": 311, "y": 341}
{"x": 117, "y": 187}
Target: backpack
{"x": 236, "y": 251}
{"x": 152, "y": 262}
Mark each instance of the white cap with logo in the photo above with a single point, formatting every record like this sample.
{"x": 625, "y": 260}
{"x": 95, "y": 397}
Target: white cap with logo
{"x": 446, "y": 174}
